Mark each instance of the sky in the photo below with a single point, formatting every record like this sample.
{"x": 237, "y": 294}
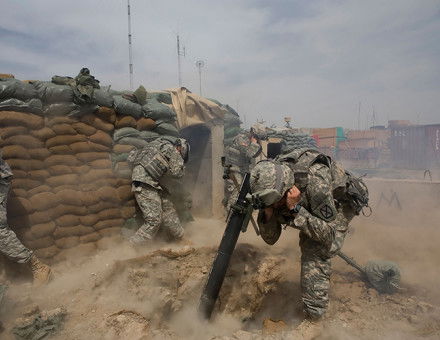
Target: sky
{"x": 316, "y": 61}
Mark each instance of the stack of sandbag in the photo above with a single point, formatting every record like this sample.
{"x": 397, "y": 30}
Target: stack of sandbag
{"x": 293, "y": 140}
{"x": 64, "y": 192}
{"x": 231, "y": 125}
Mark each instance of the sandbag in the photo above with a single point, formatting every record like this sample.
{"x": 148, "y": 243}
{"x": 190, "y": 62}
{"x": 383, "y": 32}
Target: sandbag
{"x": 122, "y": 167}
{"x": 32, "y": 105}
{"x": 80, "y": 170}
{"x": 107, "y": 114}
{"x": 19, "y": 206}
{"x": 125, "y": 132}
{"x": 68, "y": 196}
{"x": 121, "y": 148}
{"x": 39, "y": 217}
{"x": 84, "y": 129}
{"x": 64, "y": 129}
{"x": 87, "y": 157}
{"x": 136, "y": 142}
{"x": 9, "y": 131}
{"x": 163, "y": 97}
{"x": 56, "y": 181}
{"x": 39, "y": 175}
{"x": 125, "y": 121}
{"x": 15, "y": 151}
{"x": 61, "y": 150}
{"x": 108, "y": 193}
{"x": 102, "y": 97}
{"x": 78, "y": 230}
{"x": 88, "y": 146}
{"x": 43, "y": 242}
{"x": 92, "y": 237}
{"x": 101, "y": 164}
{"x": 124, "y": 192}
{"x": 95, "y": 174}
{"x": 126, "y": 107}
{"x": 60, "y": 120}
{"x": 101, "y": 137}
{"x": 49, "y": 92}
{"x": 40, "y": 153}
{"x": 24, "y": 164}
{"x": 67, "y": 220}
{"x": 67, "y": 209}
{"x": 48, "y": 252}
{"x": 96, "y": 208}
{"x": 166, "y": 129}
{"x": 108, "y": 232}
{"x": 111, "y": 223}
{"x": 42, "y": 229}
{"x": 24, "y": 140}
{"x": 65, "y": 140}
{"x": 43, "y": 133}
{"x": 128, "y": 212}
{"x": 157, "y": 111}
{"x": 12, "y": 118}
{"x": 25, "y": 183}
{"x": 98, "y": 123}
{"x": 67, "y": 242}
{"x": 109, "y": 214}
{"x": 57, "y": 170}
{"x": 145, "y": 124}
{"x": 13, "y": 88}
{"x": 64, "y": 187}
{"x": 89, "y": 219}
{"x": 37, "y": 190}
{"x": 19, "y": 193}
{"x": 61, "y": 109}
{"x": 43, "y": 201}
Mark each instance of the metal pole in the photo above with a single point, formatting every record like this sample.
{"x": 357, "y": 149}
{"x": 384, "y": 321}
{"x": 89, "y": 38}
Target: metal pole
{"x": 179, "y": 71}
{"x": 200, "y": 81}
{"x": 130, "y": 52}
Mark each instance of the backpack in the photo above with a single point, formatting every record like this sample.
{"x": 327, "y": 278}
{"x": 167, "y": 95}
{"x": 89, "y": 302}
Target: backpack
{"x": 345, "y": 186}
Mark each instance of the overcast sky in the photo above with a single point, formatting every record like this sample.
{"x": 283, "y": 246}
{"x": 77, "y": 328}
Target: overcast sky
{"x": 311, "y": 60}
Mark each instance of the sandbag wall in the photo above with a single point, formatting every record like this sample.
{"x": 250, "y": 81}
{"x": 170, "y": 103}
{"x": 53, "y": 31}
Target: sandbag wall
{"x": 64, "y": 191}
{"x": 71, "y": 184}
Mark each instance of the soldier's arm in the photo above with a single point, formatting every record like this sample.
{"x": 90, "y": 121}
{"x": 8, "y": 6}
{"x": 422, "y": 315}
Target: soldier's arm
{"x": 175, "y": 162}
{"x": 250, "y": 149}
{"x": 321, "y": 223}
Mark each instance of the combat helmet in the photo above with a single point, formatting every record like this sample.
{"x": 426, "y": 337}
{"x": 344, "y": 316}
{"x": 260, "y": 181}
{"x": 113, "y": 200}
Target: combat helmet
{"x": 269, "y": 181}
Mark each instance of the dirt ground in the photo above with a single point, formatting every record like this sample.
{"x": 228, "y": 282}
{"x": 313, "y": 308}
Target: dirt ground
{"x": 153, "y": 293}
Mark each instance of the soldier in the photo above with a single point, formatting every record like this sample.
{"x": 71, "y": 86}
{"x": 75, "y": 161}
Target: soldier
{"x": 239, "y": 158}
{"x": 307, "y": 191}
{"x": 151, "y": 166}
{"x": 10, "y": 245}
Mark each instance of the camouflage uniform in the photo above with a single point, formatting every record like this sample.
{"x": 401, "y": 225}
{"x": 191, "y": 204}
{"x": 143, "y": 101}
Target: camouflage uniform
{"x": 240, "y": 156}
{"x": 323, "y": 223}
{"x": 10, "y": 245}
{"x": 151, "y": 166}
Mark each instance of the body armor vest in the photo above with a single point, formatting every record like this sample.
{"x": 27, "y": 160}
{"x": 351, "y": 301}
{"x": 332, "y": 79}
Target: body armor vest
{"x": 152, "y": 160}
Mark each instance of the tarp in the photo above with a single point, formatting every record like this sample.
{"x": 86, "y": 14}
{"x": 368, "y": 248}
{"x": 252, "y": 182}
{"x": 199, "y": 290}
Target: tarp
{"x": 191, "y": 109}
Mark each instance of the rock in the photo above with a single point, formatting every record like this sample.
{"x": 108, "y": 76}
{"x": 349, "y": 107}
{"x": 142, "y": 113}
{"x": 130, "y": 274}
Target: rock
{"x": 243, "y": 335}
{"x": 39, "y": 325}
{"x": 425, "y": 307}
{"x": 31, "y": 310}
{"x": 355, "y": 309}
{"x": 273, "y": 326}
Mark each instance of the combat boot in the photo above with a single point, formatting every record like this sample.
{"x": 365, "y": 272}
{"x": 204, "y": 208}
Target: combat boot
{"x": 41, "y": 272}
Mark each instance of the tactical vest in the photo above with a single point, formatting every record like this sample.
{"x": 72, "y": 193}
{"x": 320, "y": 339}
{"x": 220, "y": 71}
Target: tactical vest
{"x": 234, "y": 157}
{"x": 345, "y": 186}
{"x": 151, "y": 159}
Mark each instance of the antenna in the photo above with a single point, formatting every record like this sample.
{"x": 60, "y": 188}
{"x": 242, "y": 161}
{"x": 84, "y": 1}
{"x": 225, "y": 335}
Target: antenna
{"x": 181, "y": 52}
{"x": 359, "y": 116}
{"x": 200, "y": 64}
{"x": 130, "y": 52}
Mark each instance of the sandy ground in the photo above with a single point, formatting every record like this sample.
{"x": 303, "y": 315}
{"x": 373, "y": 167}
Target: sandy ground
{"x": 152, "y": 293}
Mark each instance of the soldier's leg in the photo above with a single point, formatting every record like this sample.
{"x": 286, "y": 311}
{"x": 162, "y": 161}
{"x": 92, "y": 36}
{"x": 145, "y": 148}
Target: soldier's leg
{"x": 10, "y": 245}
{"x": 315, "y": 284}
{"x": 150, "y": 203}
{"x": 170, "y": 220}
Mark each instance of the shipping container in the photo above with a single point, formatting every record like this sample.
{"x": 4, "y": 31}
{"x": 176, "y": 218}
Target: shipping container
{"x": 413, "y": 147}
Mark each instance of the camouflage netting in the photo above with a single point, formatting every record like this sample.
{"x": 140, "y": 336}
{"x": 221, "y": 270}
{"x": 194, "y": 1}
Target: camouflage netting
{"x": 67, "y": 142}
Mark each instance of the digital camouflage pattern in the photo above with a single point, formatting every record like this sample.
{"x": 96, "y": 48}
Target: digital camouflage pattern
{"x": 10, "y": 245}
{"x": 323, "y": 224}
{"x": 158, "y": 211}
{"x": 239, "y": 159}
{"x": 151, "y": 196}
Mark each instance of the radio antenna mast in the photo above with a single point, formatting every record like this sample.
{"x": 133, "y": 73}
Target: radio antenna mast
{"x": 180, "y": 53}
{"x": 130, "y": 51}
{"x": 200, "y": 64}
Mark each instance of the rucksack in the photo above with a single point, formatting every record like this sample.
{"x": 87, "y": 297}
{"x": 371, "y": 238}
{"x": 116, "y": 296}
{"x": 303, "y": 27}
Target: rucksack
{"x": 346, "y": 187}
